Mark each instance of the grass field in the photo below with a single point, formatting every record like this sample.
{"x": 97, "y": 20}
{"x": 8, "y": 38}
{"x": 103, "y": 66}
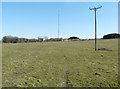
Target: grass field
{"x": 60, "y": 64}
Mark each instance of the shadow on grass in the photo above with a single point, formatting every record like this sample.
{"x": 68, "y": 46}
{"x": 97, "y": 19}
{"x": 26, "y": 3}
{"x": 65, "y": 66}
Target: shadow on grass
{"x": 104, "y": 49}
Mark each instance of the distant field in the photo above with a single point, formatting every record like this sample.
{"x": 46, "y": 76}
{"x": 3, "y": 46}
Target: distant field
{"x": 60, "y": 64}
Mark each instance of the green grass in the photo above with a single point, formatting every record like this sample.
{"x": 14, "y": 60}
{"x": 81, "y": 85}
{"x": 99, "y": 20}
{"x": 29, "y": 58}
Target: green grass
{"x": 60, "y": 64}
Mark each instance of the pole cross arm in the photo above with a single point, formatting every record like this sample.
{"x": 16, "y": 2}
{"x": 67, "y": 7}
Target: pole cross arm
{"x": 99, "y": 7}
{"x": 95, "y": 8}
{"x": 92, "y": 8}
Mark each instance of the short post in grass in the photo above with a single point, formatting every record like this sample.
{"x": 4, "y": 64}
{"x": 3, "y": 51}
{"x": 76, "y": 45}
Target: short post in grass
{"x": 95, "y": 9}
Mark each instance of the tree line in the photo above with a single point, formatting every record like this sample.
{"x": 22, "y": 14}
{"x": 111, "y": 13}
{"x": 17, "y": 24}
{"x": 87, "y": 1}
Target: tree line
{"x": 110, "y": 36}
{"x": 14, "y": 39}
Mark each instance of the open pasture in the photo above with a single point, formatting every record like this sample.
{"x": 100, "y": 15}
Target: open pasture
{"x": 60, "y": 64}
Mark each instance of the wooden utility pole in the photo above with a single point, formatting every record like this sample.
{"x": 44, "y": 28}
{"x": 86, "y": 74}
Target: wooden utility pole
{"x": 58, "y": 21}
{"x": 95, "y": 9}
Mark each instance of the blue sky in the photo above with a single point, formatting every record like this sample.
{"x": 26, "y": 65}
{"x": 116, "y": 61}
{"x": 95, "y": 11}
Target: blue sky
{"x": 33, "y": 19}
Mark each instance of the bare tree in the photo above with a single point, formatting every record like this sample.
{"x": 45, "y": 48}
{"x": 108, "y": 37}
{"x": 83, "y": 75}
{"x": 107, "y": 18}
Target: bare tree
{"x": 40, "y": 39}
{"x": 45, "y": 38}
